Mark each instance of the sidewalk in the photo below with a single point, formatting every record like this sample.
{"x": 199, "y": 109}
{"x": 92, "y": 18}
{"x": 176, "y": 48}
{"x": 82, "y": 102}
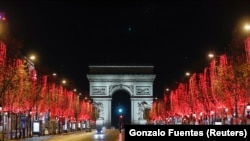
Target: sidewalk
{"x": 34, "y": 138}
{"x": 41, "y": 138}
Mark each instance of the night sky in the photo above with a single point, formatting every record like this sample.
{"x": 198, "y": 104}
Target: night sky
{"x": 172, "y": 36}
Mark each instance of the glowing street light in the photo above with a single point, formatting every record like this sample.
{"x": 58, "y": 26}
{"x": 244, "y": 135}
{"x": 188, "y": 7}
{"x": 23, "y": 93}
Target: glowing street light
{"x": 64, "y": 81}
{"x": 247, "y": 27}
{"x": 167, "y": 89}
{"x": 248, "y": 110}
{"x": 210, "y": 55}
{"x": 156, "y": 98}
{"x": 212, "y": 117}
{"x": 32, "y": 57}
{"x": 248, "y": 106}
{"x": 226, "y": 110}
{"x": 1, "y": 119}
{"x": 187, "y": 73}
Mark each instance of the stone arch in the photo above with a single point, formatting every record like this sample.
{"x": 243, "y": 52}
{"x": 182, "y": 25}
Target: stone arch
{"x": 116, "y": 88}
{"x": 104, "y": 81}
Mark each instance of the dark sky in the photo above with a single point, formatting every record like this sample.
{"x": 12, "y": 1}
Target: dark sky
{"x": 173, "y": 36}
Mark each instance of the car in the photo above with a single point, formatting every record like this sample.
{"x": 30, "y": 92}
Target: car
{"x": 99, "y": 134}
{"x": 99, "y": 131}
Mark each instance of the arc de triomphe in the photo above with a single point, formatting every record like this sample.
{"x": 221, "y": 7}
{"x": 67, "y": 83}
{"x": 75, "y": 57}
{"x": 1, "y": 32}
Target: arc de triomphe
{"x": 104, "y": 81}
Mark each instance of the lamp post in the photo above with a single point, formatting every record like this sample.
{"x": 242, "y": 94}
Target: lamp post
{"x": 1, "y": 122}
{"x": 247, "y": 48}
{"x": 212, "y": 117}
{"x": 201, "y": 118}
{"x": 194, "y": 118}
{"x": 120, "y": 122}
{"x": 30, "y": 123}
{"x": 30, "y": 65}
{"x": 248, "y": 111}
{"x": 226, "y": 119}
{"x": 226, "y": 110}
{"x": 236, "y": 99}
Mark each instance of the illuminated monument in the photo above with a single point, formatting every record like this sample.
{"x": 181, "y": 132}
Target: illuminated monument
{"x": 136, "y": 80}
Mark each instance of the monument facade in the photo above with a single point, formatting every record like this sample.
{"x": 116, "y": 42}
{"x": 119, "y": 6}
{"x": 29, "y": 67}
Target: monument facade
{"x": 104, "y": 81}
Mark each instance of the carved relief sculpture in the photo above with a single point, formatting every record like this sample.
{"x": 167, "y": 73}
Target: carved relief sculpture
{"x": 100, "y": 109}
{"x": 142, "y": 106}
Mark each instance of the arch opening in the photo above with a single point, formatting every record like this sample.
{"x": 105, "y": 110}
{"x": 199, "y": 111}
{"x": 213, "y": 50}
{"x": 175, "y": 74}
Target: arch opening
{"x": 121, "y": 108}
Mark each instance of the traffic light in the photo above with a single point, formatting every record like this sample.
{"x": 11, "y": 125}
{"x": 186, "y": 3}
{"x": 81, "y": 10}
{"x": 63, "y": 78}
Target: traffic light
{"x": 121, "y": 116}
{"x": 120, "y": 122}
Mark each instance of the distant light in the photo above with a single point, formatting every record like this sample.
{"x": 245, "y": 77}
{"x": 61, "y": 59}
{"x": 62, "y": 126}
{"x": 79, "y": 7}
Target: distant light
{"x": 248, "y": 106}
{"x": 32, "y": 57}
{"x": 187, "y": 73}
{"x": 64, "y": 81}
{"x": 247, "y": 27}
{"x": 2, "y": 17}
{"x": 211, "y": 55}
{"x": 212, "y": 112}
{"x": 129, "y": 29}
{"x": 226, "y": 110}
{"x": 120, "y": 110}
{"x": 99, "y": 136}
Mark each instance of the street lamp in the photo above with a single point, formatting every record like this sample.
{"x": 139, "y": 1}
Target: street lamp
{"x": 248, "y": 111}
{"x": 187, "y": 73}
{"x": 32, "y": 57}
{"x": 247, "y": 42}
{"x": 248, "y": 106}
{"x": 201, "y": 118}
{"x": 64, "y": 81}
{"x": 247, "y": 27}
{"x": 30, "y": 124}
{"x": 1, "y": 121}
{"x": 210, "y": 55}
{"x": 212, "y": 117}
{"x": 226, "y": 110}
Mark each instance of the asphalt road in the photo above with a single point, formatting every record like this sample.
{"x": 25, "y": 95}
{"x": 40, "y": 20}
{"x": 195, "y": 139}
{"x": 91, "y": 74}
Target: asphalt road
{"x": 109, "y": 135}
